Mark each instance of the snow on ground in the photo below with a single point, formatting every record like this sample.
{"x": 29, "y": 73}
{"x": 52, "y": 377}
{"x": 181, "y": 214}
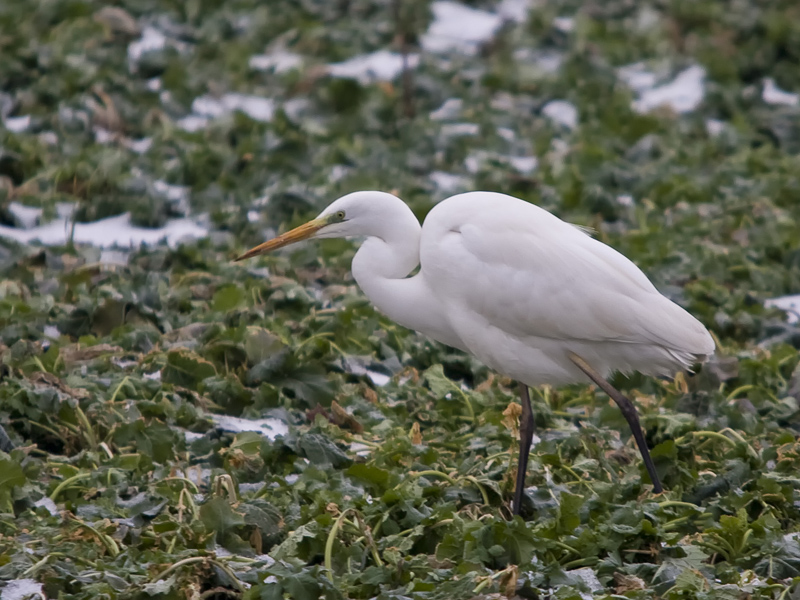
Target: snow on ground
{"x": 789, "y": 304}
{"x": 683, "y": 94}
{"x": 369, "y": 68}
{"x": 515, "y": 10}
{"x": 207, "y": 107}
{"x": 152, "y": 40}
{"x": 459, "y": 27}
{"x": 105, "y": 233}
{"x": 22, "y": 589}
{"x": 772, "y": 94}
{"x": 278, "y": 61}
{"x": 561, "y": 112}
{"x": 25, "y": 216}
{"x": 269, "y": 428}
{"x": 449, "y": 183}
{"x": 17, "y": 124}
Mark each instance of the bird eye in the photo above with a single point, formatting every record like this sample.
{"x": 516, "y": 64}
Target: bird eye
{"x": 340, "y": 215}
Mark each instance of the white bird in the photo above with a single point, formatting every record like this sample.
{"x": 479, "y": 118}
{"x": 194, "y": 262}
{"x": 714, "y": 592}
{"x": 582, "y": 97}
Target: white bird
{"x": 531, "y": 296}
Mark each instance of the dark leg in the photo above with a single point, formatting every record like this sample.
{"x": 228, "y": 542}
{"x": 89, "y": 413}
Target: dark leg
{"x": 526, "y": 427}
{"x": 628, "y": 411}
{"x": 5, "y": 442}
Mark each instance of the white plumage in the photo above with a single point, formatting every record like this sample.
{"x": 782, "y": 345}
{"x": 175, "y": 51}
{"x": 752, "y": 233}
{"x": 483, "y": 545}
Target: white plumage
{"x": 522, "y": 288}
{"x": 514, "y": 285}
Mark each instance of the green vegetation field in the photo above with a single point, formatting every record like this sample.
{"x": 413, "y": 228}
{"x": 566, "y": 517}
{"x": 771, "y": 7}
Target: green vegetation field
{"x": 386, "y": 461}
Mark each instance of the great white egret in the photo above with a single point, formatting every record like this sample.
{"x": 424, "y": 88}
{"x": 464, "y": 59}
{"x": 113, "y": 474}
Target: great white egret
{"x": 531, "y": 296}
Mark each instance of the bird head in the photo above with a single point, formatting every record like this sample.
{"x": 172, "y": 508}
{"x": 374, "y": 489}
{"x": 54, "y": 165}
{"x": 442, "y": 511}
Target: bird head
{"x": 359, "y": 213}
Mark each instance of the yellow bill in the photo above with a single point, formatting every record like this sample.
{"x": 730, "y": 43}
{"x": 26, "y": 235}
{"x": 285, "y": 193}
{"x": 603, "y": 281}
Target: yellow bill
{"x": 290, "y": 237}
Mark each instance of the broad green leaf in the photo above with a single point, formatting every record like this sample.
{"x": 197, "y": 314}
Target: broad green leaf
{"x": 371, "y": 474}
{"x": 11, "y": 475}
{"x": 569, "y": 506}
{"x": 218, "y": 515}
{"x": 260, "y": 344}
{"x": 248, "y": 442}
{"x": 439, "y": 383}
{"x": 322, "y": 451}
{"x": 187, "y": 369}
{"x": 228, "y": 297}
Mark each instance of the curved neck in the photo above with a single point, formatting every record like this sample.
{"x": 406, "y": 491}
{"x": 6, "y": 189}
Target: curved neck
{"x": 381, "y": 267}
{"x": 383, "y": 262}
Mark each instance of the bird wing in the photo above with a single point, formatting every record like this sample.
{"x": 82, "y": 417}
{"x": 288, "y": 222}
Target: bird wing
{"x": 523, "y": 270}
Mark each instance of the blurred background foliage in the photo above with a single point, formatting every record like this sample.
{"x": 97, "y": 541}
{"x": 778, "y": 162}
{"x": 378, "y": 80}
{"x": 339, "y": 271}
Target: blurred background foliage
{"x": 374, "y": 463}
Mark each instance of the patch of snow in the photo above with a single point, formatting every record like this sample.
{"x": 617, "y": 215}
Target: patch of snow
{"x": 154, "y": 376}
{"x": 503, "y": 102}
{"x": 475, "y": 160}
{"x": 255, "y": 107}
{"x": 64, "y": 210}
{"x": 18, "y": 124}
{"x": 449, "y": 182}
{"x": 683, "y": 94}
{"x": 549, "y": 61}
{"x": 23, "y": 589}
{"x": 369, "y": 68}
{"x": 49, "y": 138}
{"x": 458, "y": 27}
{"x": 561, "y": 112}
{"x": 52, "y": 332}
{"x": 266, "y": 559}
{"x": 338, "y": 172}
{"x": 295, "y": 107}
{"x": 459, "y": 129}
{"x": 451, "y": 109}
{"x": 139, "y": 146}
{"x": 360, "y": 449}
{"x": 789, "y": 304}
{"x": 113, "y": 257}
{"x": 637, "y": 77}
{"x": 48, "y": 504}
{"x": 625, "y": 200}
{"x": 103, "y": 136}
{"x": 270, "y": 428}
{"x": 173, "y": 193}
{"x": 564, "y": 24}
{"x": 191, "y": 436}
{"x": 524, "y": 164}
{"x": 546, "y": 61}
{"x": 152, "y": 40}
{"x": 193, "y": 123}
{"x": 357, "y": 366}
{"x": 506, "y": 133}
{"x": 124, "y": 363}
{"x": 556, "y": 156}
{"x": 587, "y": 576}
{"x": 208, "y": 106}
{"x": 106, "y": 233}
{"x": 772, "y": 94}
{"x": 646, "y": 19}
{"x": 379, "y": 379}
{"x": 154, "y": 84}
{"x": 205, "y": 108}
{"x": 26, "y": 216}
{"x": 253, "y": 216}
{"x": 715, "y": 127}
{"x": 279, "y": 61}
{"x": 515, "y": 10}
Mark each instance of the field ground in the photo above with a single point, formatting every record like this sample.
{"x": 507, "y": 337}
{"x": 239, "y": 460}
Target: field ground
{"x": 672, "y": 128}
